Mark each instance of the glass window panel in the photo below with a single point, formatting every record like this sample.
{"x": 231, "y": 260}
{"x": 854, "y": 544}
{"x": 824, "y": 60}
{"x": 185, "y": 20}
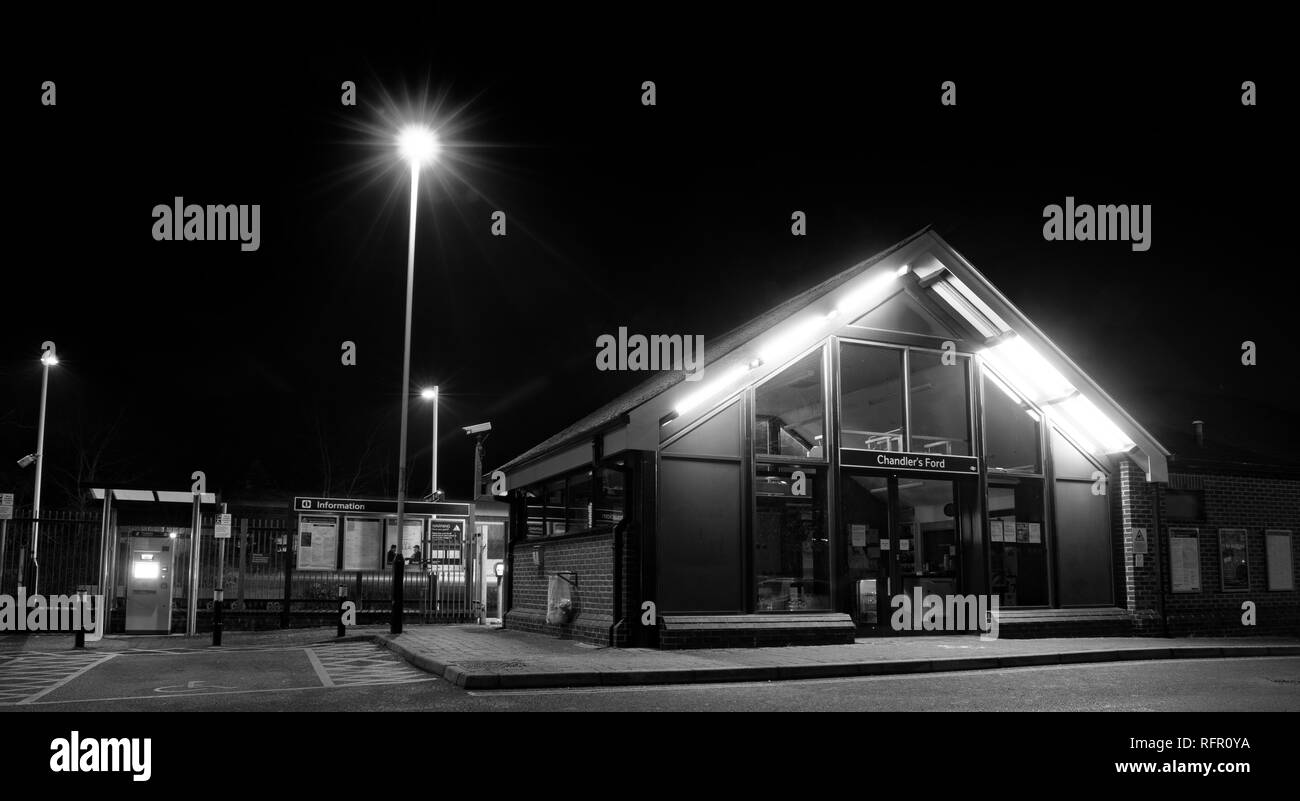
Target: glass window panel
{"x": 536, "y": 506}
{"x": 789, "y": 411}
{"x": 871, "y": 397}
{"x": 579, "y": 514}
{"x": 613, "y": 497}
{"x": 940, "y": 403}
{"x": 555, "y": 507}
{"x": 1011, "y": 435}
{"x": 1018, "y": 541}
{"x": 902, "y": 313}
{"x": 791, "y": 549}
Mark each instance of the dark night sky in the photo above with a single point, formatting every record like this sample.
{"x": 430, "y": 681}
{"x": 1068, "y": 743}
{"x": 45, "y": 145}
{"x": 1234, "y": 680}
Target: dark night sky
{"x": 671, "y": 219}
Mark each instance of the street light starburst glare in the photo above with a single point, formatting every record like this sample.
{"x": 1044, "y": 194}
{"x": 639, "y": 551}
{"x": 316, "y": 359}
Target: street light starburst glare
{"x": 418, "y": 145}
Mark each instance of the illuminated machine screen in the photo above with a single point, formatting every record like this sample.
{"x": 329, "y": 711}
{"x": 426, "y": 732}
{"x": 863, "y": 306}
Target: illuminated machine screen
{"x": 145, "y": 570}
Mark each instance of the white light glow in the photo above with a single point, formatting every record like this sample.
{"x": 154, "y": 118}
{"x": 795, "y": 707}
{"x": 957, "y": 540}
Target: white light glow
{"x": 146, "y": 570}
{"x": 710, "y": 389}
{"x": 857, "y": 301}
{"x": 1028, "y": 371}
{"x": 429, "y": 394}
{"x": 791, "y": 341}
{"x": 1100, "y": 427}
{"x": 49, "y": 359}
{"x": 902, "y": 271}
{"x": 418, "y": 145}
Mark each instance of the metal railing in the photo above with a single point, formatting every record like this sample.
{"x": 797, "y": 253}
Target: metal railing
{"x": 252, "y": 574}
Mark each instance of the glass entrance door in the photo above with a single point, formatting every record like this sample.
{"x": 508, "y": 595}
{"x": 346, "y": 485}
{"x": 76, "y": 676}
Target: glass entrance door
{"x": 901, "y": 534}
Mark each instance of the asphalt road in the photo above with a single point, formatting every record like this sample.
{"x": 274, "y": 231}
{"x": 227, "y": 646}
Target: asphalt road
{"x": 365, "y": 677}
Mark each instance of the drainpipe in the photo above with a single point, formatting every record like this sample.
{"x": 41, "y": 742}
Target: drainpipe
{"x": 1159, "y": 555}
{"x": 620, "y": 531}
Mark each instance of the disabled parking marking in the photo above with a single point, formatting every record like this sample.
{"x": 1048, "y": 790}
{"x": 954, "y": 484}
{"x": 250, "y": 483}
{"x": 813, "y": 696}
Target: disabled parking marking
{"x": 263, "y": 670}
{"x": 362, "y": 664}
{"x": 184, "y": 674}
{"x": 28, "y": 677}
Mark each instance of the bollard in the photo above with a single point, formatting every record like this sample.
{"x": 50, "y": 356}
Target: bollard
{"x": 343, "y": 596}
{"x": 218, "y": 596}
{"x": 79, "y": 636}
{"x": 399, "y": 574}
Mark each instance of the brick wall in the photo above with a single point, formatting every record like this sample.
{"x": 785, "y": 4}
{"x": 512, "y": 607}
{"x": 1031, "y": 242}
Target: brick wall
{"x": 1252, "y": 502}
{"x": 591, "y": 558}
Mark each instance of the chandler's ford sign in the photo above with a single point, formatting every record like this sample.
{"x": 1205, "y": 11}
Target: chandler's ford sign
{"x": 923, "y": 462}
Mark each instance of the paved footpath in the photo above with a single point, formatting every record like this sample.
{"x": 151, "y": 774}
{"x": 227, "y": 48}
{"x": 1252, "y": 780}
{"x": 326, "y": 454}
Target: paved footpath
{"x": 480, "y": 657}
{"x": 487, "y": 658}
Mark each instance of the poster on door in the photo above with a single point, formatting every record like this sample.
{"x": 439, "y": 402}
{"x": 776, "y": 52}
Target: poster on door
{"x": 318, "y": 540}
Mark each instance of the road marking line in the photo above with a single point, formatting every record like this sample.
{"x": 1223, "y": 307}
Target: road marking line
{"x": 195, "y": 695}
{"x": 316, "y": 665}
{"x": 57, "y": 685}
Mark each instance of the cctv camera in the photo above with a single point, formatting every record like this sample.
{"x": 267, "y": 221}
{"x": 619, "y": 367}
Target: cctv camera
{"x": 478, "y": 429}
{"x": 27, "y": 460}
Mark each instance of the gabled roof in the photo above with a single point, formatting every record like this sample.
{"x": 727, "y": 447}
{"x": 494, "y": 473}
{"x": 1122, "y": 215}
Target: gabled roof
{"x": 938, "y": 279}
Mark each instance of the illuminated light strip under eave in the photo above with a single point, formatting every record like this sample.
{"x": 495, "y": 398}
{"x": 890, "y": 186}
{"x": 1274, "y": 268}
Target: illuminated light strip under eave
{"x": 710, "y": 389}
{"x": 796, "y": 338}
{"x": 959, "y": 304}
{"x": 851, "y": 305}
{"x": 1085, "y": 414}
{"x": 1038, "y": 374}
{"x": 792, "y": 341}
{"x": 1074, "y": 415}
{"x": 979, "y": 304}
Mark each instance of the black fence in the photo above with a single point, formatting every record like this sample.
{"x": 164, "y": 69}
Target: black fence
{"x": 252, "y": 572}
{"x": 67, "y": 550}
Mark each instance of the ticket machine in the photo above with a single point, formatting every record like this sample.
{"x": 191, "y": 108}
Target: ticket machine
{"x": 149, "y": 586}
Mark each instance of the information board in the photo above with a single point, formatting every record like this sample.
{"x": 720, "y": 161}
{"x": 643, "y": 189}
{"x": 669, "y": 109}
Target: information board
{"x": 1234, "y": 567}
{"x": 361, "y": 549}
{"x": 317, "y": 543}
{"x": 1184, "y": 560}
{"x": 1281, "y": 570}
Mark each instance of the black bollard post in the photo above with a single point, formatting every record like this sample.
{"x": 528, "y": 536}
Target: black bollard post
{"x": 79, "y": 635}
{"x": 399, "y": 573}
{"x": 218, "y": 597}
{"x": 343, "y": 595}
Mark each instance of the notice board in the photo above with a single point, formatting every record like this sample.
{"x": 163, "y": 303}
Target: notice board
{"x": 1184, "y": 560}
{"x": 318, "y": 542}
{"x": 1277, "y": 548}
{"x": 361, "y": 548}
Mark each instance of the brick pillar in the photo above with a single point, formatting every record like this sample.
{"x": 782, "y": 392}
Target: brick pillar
{"x": 1137, "y": 500}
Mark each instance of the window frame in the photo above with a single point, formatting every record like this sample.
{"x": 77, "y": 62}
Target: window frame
{"x": 752, "y": 400}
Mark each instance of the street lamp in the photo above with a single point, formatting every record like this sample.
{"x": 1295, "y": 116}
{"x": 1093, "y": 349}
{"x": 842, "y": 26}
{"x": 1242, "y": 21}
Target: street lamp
{"x": 418, "y": 146}
{"x": 431, "y": 394}
{"x": 49, "y": 358}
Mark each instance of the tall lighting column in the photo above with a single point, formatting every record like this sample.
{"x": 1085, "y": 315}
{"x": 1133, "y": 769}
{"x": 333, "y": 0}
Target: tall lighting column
{"x": 418, "y": 146}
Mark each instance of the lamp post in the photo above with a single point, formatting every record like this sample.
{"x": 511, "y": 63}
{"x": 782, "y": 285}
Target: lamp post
{"x": 48, "y": 359}
{"x": 418, "y": 146}
{"x": 431, "y": 394}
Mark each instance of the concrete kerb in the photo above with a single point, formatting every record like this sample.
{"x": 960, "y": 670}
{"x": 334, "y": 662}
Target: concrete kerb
{"x": 422, "y": 661}
{"x": 490, "y": 680}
